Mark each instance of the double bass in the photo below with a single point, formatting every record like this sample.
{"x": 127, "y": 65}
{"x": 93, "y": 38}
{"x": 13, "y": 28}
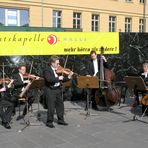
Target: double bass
{"x": 107, "y": 94}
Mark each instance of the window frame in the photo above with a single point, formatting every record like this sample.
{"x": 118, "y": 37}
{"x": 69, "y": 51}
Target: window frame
{"x": 95, "y": 23}
{"x": 77, "y": 19}
{"x": 111, "y": 23}
{"x": 127, "y": 23}
{"x": 58, "y": 19}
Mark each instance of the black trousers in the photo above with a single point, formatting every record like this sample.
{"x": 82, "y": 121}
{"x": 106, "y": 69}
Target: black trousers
{"x": 6, "y": 108}
{"x": 54, "y": 102}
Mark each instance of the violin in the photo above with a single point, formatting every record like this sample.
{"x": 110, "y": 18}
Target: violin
{"x": 62, "y": 70}
{"x": 5, "y": 80}
{"x": 30, "y": 76}
{"x": 144, "y": 100}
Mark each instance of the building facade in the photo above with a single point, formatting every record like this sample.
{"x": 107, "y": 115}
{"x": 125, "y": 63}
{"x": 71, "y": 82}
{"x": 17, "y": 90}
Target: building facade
{"x": 88, "y": 15}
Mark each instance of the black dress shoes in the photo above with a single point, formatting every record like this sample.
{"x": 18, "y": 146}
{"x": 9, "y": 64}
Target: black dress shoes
{"x": 6, "y": 125}
{"x": 62, "y": 123}
{"x": 50, "y": 125}
{"x": 94, "y": 107}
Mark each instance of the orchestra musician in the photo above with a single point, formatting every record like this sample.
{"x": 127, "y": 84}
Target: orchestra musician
{"x": 6, "y": 104}
{"x": 21, "y": 79}
{"x": 144, "y": 75}
{"x": 53, "y": 91}
{"x": 93, "y": 69}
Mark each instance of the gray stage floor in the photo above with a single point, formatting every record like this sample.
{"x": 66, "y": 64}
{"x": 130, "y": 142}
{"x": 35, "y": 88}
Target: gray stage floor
{"x": 103, "y": 129}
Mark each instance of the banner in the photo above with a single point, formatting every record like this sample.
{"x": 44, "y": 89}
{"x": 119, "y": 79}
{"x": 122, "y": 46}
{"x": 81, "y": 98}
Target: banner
{"x": 57, "y": 43}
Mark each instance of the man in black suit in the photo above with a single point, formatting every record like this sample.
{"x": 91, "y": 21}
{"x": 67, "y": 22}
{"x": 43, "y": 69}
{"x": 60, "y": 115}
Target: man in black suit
{"x": 53, "y": 92}
{"x": 144, "y": 74}
{"x": 6, "y": 105}
{"x": 93, "y": 69}
{"x": 19, "y": 84}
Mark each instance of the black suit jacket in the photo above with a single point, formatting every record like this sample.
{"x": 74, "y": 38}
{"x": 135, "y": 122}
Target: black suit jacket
{"x": 6, "y": 95}
{"x": 145, "y": 79}
{"x": 18, "y": 84}
{"x": 50, "y": 78}
{"x": 90, "y": 67}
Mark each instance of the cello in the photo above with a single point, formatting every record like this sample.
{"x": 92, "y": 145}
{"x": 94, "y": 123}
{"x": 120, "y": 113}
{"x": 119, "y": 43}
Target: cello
{"x": 107, "y": 95}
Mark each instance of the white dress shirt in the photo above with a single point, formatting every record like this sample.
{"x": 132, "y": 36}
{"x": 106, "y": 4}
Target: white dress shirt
{"x": 95, "y": 63}
{"x": 21, "y": 76}
{"x": 56, "y": 84}
{"x": 145, "y": 74}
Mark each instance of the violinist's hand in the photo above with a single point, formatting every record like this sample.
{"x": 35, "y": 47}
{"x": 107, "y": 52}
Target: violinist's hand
{"x": 61, "y": 77}
{"x": 37, "y": 77}
{"x": 3, "y": 89}
{"x": 26, "y": 81}
{"x": 70, "y": 75}
{"x": 10, "y": 84}
{"x": 88, "y": 75}
{"x": 34, "y": 76}
{"x": 103, "y": 58}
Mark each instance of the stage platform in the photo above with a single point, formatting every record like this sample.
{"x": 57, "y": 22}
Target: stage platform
{"x": 108, "y": 129}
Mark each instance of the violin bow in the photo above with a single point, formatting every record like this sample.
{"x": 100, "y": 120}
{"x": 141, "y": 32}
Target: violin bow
{"x": 65, "y": 62}
{"x": 30, "y": 71}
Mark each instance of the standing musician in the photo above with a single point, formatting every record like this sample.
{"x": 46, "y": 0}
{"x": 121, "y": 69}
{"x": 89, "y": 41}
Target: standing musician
{"x": 53, "y": 91}
{"x": 6, "y": 104}
{"x": 20, "y": 82}
{"x": 93, "y": 68}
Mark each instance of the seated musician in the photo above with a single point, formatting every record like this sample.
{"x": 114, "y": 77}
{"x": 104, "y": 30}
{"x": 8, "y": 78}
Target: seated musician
{"x": 144, "y": 75}
{"x": 20, "y": 82}
{"x": 6, "y": 104}
{"x": 93, "y": 68}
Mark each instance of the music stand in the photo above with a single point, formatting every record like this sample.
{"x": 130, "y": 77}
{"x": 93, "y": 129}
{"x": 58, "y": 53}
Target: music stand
{"x": 35, "y": 84}
{"x": 136, "y": 83}
{"x": 87, "y": 82}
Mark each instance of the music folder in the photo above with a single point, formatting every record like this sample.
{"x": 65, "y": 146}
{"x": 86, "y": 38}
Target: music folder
{"x": 134, "y": 82}
{"x": 87, "y": 82}
{"x": 37, "y": 83}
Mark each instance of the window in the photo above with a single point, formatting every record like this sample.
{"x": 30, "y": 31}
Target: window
{"x": 57, "y": 19}
{"x": 141, "y": 25}
{"x": 76, "y": 20}
{"x": 95, "y": 22}
{"x": 2, "y": 17}
{"x": 128, "y": 24}
{"x": 142, "y": 1}
{"x": 24, "y": 18}
{"x": 112, "y": 23}
{"x": 14, "y": 17}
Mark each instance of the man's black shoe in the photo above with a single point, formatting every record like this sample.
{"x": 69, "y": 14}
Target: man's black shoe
{"x": 14, "y": 112}
{"x": 95, "y": 108}
{"x": 50, "y": 125}
{"x": 19, "y": 117}
{"x": 6, "y": 125}
{"x": 62, "y": 123}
